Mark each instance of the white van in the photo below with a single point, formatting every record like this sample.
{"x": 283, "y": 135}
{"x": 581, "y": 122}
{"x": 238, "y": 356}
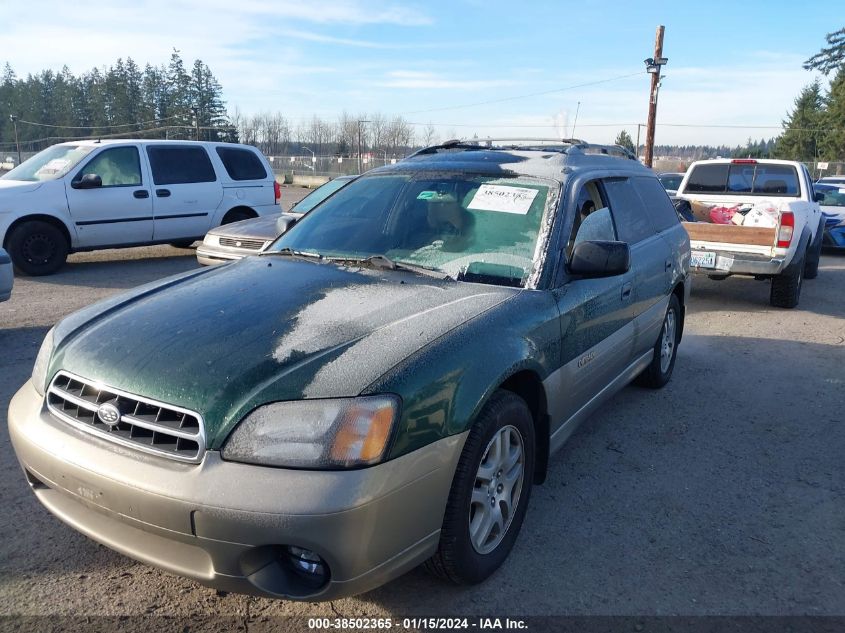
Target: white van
{"x": 88, "y": 195}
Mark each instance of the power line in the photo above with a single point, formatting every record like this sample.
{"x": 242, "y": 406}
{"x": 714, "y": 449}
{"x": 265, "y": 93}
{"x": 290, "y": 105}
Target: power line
{"x": 526, "y": 96}
{"x": 88, "y": 127}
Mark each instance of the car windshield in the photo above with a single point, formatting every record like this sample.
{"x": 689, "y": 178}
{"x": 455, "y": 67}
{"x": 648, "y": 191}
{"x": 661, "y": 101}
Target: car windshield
{"x": 318, "y": 195}
{"x": 49, "y": 164}
{"x": 671, "y": 181}
{"x": 833, "y": 196}
{"x": 470, "y": 227}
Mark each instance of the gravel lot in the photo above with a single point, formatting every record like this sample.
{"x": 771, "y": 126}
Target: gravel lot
{"x": 721, "y": 494}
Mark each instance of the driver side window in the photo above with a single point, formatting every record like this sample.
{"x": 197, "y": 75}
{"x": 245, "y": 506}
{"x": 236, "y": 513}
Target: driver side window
{"x": 593, "y": 220}
{"x": 117, "y": 167}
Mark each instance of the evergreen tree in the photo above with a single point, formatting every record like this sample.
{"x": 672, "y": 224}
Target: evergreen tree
{"x": 624, "y": 140}
{"x": 831, "y": 58}
{"x": 802, "y": 128}
{"x": 833, "y": 140}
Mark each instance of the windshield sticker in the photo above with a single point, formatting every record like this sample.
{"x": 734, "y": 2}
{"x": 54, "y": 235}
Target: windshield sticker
{"x": 54, "y": 166}
{"x": 503, "y": 199}
{"x": 426, "y": 195}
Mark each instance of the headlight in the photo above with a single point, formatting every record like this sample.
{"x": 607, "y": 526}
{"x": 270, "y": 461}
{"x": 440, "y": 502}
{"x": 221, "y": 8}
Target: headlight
{"x": 341, "y": 433}
{"x": 42, "y": 361}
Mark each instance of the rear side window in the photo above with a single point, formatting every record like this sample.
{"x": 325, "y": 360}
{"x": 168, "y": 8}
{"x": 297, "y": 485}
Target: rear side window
{"x": 744, "y": 178}
{"x": 632, "y": 222}
{"x": 707, "y": 179}
{"x": 180, "y": 165}
{"x": 657, "y": 205}
{"x": 241, "y": 164}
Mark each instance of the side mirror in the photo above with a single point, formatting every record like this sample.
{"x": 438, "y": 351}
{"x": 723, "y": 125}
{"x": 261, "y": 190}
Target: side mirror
{"x": 818, "y": 196}
{"x": 88, "y": 181}
{"x": 600, "y": 259}
{"x": 286, "y": 222}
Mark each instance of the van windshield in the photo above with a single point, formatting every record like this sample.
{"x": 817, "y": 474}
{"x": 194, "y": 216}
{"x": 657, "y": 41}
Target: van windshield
{"x": 49, "y": 164}
{"x": 470, "y": 227}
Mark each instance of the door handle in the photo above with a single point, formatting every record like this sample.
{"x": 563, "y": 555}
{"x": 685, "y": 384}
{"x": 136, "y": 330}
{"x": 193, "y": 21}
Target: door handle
{"x": 163, "y": 193}
{"x": 668, "y": 264}
{"x": 626, "y": 291}
{"x": 141, "y": 193}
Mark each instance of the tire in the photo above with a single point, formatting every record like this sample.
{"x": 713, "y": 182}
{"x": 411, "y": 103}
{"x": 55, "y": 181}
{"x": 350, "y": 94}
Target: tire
{"x": 786, "y": 287}
{"x": 460, "y": 558}
{"x": 811, "y": 267}
{"x": 183, "y": 244}
{"x": 659, "y": 371}
{"x": 37, "y": 248}
{"x": 237, "y": 216}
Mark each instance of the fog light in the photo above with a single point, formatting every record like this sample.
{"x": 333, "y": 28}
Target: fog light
{"x": 307, "y": 564}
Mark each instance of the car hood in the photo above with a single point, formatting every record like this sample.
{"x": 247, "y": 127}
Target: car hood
{"x": 262, "y": 330}
{"x": 261, "y": 228}
{"x": 17, "y": 186}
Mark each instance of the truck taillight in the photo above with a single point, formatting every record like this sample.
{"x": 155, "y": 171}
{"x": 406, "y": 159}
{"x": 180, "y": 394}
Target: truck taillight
{"x": 277, "y": 191}
{"x": 787, "y": 228}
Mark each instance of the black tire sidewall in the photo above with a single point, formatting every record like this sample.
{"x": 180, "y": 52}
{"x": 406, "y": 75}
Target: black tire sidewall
{"x": 17, "y": 248}
{"x": 504, "y": 408}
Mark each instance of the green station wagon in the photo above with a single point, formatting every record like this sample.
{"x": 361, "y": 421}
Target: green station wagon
{"x": 380, "y": 389}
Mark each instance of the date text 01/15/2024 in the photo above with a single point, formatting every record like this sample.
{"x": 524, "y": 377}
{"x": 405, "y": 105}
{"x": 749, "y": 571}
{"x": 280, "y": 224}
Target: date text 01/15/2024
{"x": 417, "y": 623}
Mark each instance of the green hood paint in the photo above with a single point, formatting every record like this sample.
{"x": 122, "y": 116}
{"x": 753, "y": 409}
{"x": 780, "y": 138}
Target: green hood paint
{"x": 226, "y": 340}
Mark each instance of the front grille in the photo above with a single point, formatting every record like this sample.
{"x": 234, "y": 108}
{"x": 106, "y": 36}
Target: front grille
{"x": 253, "y": 245}
{"x": 142, "y": 424}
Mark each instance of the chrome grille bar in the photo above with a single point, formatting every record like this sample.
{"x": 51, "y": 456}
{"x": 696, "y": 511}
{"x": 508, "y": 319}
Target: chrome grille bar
{"x": 141, "y": 423}
{"x": 253, "y": 245}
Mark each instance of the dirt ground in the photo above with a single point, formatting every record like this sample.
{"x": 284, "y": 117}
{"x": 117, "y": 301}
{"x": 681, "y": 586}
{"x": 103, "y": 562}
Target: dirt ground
{"x": 721, "y": 494}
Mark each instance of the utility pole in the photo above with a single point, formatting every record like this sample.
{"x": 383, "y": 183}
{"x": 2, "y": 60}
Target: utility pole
{"x": 577, "y": 110}
{"x": 14, "y": 121}
{"x": 360, "y": 150}
{"x": 639, "y": 125}
{"x": 653, "y": 66}
{"x": 196, "y": 122}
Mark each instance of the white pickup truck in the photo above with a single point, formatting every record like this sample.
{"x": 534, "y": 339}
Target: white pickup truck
{"x": 753, "y": 217}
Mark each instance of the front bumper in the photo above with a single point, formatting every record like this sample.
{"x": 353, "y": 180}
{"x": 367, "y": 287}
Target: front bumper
{"x": 225, "y": 524}
{"x": 213, "y": 255}
{"x": 834, "y": 237}
{"x": 7, "y": 277}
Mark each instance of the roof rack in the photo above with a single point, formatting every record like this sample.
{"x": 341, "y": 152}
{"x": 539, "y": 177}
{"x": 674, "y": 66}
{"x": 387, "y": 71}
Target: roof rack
{"x": 564, "y": 145}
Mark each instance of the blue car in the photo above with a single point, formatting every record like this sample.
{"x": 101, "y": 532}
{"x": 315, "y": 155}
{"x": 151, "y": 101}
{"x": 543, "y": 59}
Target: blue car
{"x": 833, "y": 208}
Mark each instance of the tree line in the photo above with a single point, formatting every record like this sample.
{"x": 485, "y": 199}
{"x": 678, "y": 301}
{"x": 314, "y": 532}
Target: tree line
{"x": 167, "y": 101}
{"x": 380, "y": 135}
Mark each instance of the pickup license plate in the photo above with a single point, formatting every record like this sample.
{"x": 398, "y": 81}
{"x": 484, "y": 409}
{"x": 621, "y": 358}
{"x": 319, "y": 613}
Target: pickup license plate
{"x": 703, "y": 259}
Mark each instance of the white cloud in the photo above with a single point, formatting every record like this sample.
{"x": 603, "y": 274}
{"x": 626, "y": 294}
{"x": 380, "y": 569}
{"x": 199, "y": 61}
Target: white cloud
{"x": 424, "y": 80}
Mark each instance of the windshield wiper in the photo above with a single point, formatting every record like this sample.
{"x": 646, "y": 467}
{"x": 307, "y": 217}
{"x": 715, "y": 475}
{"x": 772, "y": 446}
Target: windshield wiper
{"x": 289, "y": 252}
{"x": 385, "y": 263}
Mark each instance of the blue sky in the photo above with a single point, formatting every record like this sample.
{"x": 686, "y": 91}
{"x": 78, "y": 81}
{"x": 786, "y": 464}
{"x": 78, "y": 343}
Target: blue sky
{"x": 730, "y": 63}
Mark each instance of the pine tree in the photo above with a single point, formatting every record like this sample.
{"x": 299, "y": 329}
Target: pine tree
{"x": 178, "y": 97}
{"x": 831, "y": 58}
{"x": 801, "y": 137}
{"x": 624, "y": 140}
{"x": 833, "y": 140}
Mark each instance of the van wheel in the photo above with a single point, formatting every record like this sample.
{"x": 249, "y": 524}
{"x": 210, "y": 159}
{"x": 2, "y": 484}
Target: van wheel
{"x": 183, "y": 244}
{"x": 37, "y": 248}
{"x": 786, "y": 287}
{"x": 658, "y": 373}
{"x": 489, "y": 494}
